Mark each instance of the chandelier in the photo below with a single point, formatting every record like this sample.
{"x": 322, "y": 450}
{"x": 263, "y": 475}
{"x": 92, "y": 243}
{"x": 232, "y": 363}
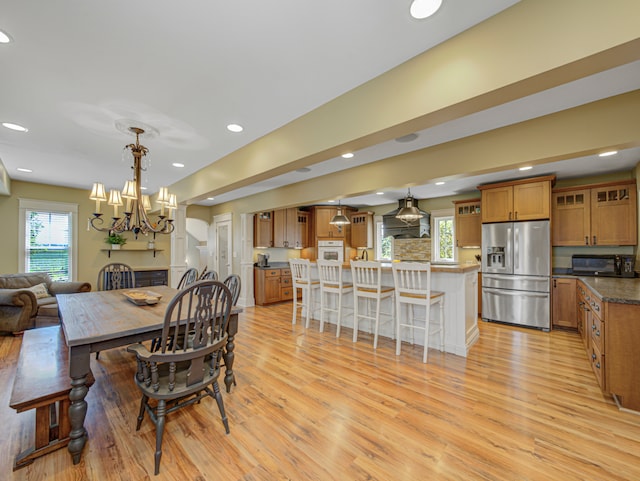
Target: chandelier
{"x": 135, "y": 216}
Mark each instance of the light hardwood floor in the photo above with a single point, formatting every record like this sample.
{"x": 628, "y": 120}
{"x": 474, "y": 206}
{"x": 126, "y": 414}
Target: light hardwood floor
{"x": 523, "y": 406}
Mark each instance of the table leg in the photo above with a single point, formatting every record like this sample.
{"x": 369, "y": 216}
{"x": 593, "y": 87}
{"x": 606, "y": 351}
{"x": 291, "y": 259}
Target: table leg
{"x": 232, "y": 330}
{"x": 79, "y": 367}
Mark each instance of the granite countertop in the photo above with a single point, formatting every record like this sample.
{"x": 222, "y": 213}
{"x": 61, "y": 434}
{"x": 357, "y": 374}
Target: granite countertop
{"x": 274, "y": 265}
{"x": 615, "y": 289}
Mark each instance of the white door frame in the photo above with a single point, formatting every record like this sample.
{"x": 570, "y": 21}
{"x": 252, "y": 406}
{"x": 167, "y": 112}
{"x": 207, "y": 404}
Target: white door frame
{"x": 218, "y": 220}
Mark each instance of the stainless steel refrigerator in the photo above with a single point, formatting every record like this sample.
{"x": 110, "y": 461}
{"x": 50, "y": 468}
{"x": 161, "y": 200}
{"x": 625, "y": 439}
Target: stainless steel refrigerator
{"x": 516, "y": 273}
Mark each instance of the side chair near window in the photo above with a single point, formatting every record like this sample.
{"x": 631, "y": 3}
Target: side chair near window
{"x": 188, "y": 278}
{"x": 367, "y": 285}
{"x": 332, "y": 285}
{"x": 187, "y": 367}
{"x": 301, "y": 277}
{"x": 413, "y": 288}
{"x": 115, "y": 276}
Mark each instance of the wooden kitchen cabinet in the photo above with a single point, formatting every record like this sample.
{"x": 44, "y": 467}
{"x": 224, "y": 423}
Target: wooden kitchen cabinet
{"x": 322, "y": 215}
{"x": 272, "y": 285}
{"x": 525, "y": 199}
{"x": 594, "y": 331}
{"x": 290, "y": 228}
{"x": 598, "y": 214}
{"x": 362, "y": 230}
{"x": 263, "y": 229}
{"x": 564, "y": 302}
{"x": 468, "y": 223}
{"x": 614, "y": 214}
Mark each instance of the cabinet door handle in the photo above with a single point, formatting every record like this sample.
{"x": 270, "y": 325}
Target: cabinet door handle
{"x": 593, "y": 356}
{"x": 516, "y": 215}
{"x": 594, "y": 240}
{"x": 598, "y": 365}
{"x": 586, "y": 240}
{"x": 509, "y": 215}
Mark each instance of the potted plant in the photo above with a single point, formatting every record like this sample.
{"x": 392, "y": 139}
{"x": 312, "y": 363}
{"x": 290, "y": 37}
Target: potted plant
{"x": 115, "y": 240}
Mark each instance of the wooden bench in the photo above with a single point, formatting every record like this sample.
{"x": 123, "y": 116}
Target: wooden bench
{"x": 42, "y": 383}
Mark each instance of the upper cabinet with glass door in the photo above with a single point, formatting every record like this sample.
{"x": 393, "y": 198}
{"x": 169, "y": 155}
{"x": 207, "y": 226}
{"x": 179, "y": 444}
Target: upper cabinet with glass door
{"x": 597, "y": 214}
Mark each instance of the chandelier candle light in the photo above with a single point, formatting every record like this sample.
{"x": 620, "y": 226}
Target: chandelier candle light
{"x": 137, "y": 205}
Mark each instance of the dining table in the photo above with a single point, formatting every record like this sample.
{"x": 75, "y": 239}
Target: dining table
{"x": 101, "y": 320}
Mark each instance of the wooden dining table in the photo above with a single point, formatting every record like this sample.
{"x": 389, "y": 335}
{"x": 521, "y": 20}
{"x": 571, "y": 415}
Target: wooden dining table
{"x": 101, "y": 320}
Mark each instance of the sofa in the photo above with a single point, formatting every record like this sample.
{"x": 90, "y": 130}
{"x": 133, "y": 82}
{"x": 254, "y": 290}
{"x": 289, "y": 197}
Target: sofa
{"x": 28, "y": 298}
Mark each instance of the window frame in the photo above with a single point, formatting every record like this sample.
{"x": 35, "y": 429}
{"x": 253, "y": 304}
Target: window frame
{"x": 378, "y": 242}
{"x": 436, "y": 216}
{"x": 25, "y": 205}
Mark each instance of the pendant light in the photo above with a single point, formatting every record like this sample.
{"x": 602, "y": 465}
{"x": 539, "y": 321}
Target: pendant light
{"x": 339, "y": 219}
{"x": 409, "y": 212}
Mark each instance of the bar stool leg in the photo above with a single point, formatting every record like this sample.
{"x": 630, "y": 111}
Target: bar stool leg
{"x": 355, "y": 318}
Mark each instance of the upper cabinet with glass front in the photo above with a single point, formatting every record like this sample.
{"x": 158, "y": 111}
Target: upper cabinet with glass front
{"x": 598, "y": 214}
{"x": 468, "y": 223}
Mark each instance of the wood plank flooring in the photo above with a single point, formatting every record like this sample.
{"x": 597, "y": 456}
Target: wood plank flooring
{"x": 524, "y": 405}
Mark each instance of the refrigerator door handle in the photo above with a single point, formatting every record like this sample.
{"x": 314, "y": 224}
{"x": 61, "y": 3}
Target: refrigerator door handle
{"x": 516, "y": 249}
{"x": 505, "y": 292}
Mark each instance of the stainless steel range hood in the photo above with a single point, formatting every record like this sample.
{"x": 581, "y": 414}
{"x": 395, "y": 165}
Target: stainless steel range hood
{"x": 401, "y": 230}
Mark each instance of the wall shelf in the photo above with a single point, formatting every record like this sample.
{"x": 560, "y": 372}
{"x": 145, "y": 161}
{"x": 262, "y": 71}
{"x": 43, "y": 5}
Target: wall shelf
{"x": 109, "y": 251}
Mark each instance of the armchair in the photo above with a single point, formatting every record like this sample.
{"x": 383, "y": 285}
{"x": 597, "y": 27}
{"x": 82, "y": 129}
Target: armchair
{"x": 26, "y": 297}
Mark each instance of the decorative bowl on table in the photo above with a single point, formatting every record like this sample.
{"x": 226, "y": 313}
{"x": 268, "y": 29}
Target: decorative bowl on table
{"x": 141, "y": 298}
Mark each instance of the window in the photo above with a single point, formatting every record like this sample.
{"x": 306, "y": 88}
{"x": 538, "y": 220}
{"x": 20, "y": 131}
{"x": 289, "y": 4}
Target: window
{"x": 384, "y": 245}
{"x": 442, "y": 242}
{"x": 47, "y": 239}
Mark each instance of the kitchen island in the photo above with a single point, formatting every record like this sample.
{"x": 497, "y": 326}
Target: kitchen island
{"x": 459, "y": 282}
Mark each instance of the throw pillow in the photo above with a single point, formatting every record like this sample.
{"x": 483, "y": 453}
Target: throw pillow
{"x": 40, "y": 291}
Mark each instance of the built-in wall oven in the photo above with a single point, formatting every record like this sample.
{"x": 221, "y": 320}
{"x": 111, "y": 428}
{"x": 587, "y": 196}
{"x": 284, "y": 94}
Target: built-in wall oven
{"x": 331, "y": 250}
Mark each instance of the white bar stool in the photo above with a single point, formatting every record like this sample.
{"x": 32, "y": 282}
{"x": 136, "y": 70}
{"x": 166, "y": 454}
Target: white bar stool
{"x": 413, "y": 288}
{"x": 301, "y": 277}
{"x": 330, "y": 274}
{"x": 367, "y": 284}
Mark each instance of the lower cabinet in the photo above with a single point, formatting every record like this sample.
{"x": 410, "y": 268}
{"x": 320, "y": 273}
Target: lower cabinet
{"x": 272, "y": 285}
{"x": 564, "y": 302}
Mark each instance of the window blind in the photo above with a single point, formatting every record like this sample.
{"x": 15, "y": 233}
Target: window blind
{"x": 48, "y": 243}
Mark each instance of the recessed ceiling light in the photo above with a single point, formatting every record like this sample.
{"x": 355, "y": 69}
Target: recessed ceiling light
{"x": 607, "y": 154}
{"x": 16, "y": 127}
{"x": 235, "y": 128}
{"x": 424, "y": 8}
{"x": 211, "y": 198}
{"x": 143, "y": 187}
{"x": 379, "y": 193}
{"x": 527, "y": 167}
{"x": 177, "y": 164}
{"x": 348, "y": 155}
{"x": 20, "y": 169}
{"x": 440, "y": 183}
{"x": 4, "y": 38}
{"x": 331, "y": 201}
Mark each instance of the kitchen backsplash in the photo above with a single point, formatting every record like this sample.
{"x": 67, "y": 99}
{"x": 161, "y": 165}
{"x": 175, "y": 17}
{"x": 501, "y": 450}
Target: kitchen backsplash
{"x": 412, "y": 249}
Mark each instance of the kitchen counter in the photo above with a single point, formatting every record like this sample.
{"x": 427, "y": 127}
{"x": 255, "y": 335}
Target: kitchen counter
{"x": 274, "y": 265}
{"x": 621, "y": 290}
{"x": 459, "y": 282}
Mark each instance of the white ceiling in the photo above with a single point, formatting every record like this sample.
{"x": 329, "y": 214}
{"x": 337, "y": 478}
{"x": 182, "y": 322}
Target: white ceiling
{"x": 76, "y": 68}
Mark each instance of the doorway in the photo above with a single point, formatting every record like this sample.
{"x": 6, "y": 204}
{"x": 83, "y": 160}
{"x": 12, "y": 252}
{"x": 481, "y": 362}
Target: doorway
{"x": 223, "y": 237}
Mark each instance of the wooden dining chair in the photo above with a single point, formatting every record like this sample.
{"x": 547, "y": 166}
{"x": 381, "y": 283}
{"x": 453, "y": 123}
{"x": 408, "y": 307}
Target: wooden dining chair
{"x": 188, "y": 278}
{"x": 186, "y": 367}
{"x": 233, "y": 283}
{"x": 211, "y": 275}
{"x": 116, "y": 276}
